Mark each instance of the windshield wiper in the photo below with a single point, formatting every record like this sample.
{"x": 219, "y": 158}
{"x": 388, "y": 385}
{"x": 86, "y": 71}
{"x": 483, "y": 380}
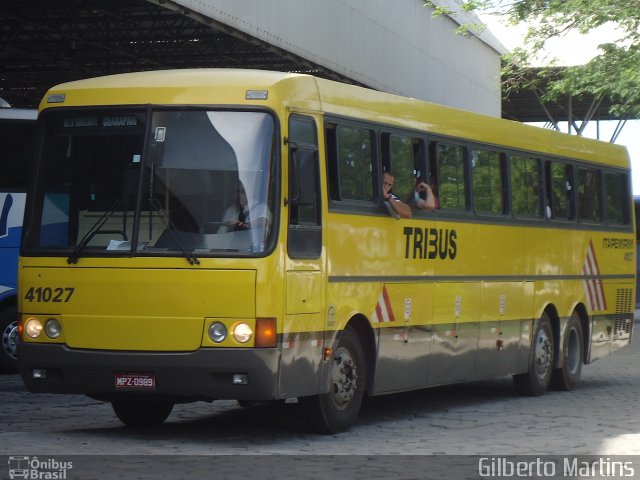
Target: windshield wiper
{"x": 171, "y": 228}
{"x": 95, "y": 228}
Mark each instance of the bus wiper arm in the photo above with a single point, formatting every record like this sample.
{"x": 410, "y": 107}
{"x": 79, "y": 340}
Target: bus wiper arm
{"x": 95, "y": 228}
{"x": 168, "y": 224}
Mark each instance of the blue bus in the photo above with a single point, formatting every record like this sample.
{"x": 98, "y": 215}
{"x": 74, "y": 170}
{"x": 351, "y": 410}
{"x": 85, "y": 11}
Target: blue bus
{"x": 17, "y": 140}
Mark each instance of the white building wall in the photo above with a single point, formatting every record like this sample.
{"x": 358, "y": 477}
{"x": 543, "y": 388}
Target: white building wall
{"x": 390, "y": 45}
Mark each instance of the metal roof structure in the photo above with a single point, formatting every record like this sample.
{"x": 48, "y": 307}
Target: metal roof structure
{"x": 398, "y": 49}
{"x": 43, "y": 43}
{"x": 528, "y": 105}
{"x": 47, "y": 42}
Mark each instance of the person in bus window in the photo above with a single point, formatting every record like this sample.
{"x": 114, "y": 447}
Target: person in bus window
{"x": 240, "y": 215}
{"x": 397, "y": 208}
{"x": 424, "y": 196}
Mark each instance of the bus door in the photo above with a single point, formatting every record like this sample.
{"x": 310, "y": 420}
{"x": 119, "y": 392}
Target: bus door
{"x": 302, "y": 339}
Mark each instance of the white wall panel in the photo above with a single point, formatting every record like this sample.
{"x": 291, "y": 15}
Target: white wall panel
{"x": 390, "y": 45}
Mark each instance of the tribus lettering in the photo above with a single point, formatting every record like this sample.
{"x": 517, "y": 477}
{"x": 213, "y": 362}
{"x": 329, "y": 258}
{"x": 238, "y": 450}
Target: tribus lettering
{"x": 430, "y": 243}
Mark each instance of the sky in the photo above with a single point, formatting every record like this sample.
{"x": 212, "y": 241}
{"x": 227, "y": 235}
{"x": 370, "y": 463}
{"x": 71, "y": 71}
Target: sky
{"x": 576, "y": 49}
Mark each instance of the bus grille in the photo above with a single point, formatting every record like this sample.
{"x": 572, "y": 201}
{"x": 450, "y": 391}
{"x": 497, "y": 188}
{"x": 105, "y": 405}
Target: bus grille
{"x": 624, "y": 312}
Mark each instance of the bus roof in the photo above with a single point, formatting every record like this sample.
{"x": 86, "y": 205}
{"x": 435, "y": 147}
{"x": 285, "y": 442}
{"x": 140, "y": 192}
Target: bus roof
{"x": 300, "y": 91}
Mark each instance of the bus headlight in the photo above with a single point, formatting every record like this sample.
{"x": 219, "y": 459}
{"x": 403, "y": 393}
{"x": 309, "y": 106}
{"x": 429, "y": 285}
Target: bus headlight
{"x": 33, "y": 327}
{"x": 217, "y": 332}
{"x": 52, "y": 328}
{"x": 242, "y": 332}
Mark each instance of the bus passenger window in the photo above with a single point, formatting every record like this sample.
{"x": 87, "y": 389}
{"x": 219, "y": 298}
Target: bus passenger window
{"x": 526, "y": 177}
{"x": 488, "y": 191}
{"x": 589, "y": 204}
{"x": 397, "y": 157}
{"x": 616, "y": 198}
{"x": 559, "y": 178}
{"x": 355, "y": 163}
{"x": 451, "y": 173}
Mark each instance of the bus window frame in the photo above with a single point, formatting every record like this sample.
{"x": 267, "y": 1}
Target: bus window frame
{"x": 541, "y": 215}
{"x": 419, "y": 157}
{"x": 467, "y": 210}
{"x": 628, "y": 189}
{"x": 571, "y": 196}
{"x": 600, "y": 189}
{"x": 504, "y": 184}
{"x": 469, "y": 214}
{"x": 150, "y": 110}
{"x": 366, "y": 207}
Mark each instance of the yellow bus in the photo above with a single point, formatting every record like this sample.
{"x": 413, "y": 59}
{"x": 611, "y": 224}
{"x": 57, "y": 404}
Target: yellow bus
{"x": 221, "y": 234}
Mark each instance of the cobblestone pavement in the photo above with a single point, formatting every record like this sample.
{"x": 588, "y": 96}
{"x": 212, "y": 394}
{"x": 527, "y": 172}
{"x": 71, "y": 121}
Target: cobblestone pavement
{"x": 481, "y": 418}
{"x": 601, "y": 417}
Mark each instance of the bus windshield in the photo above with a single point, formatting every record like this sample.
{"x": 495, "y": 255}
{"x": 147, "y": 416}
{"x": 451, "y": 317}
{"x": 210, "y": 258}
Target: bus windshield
{"x": 169, "y": 182}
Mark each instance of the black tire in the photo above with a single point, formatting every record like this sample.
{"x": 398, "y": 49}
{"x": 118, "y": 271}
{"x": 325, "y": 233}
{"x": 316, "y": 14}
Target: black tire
{"x": 9, "y": 347}
{"x": 568, "y": 376}
{"x": 337, "y": 410}
{"x": 136, "y": 413}
{"x": 536, "y": 381}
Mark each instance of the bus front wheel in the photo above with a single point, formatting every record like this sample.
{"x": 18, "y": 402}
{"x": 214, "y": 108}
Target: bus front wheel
{"x": 135, "y": 413}
{"x": 337, "y": 410}
{"x": 9, "y": 331}
{"x": 536, "y": 381}
{"x": 568, "y": 376}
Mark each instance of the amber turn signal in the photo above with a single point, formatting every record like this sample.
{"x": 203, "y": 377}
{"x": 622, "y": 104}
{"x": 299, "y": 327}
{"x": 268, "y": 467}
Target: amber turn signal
{"x": 265, "y": 332}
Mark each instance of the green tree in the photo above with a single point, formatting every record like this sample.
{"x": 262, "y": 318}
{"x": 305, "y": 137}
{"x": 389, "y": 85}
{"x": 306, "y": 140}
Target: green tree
{"x": 614, "y": 73}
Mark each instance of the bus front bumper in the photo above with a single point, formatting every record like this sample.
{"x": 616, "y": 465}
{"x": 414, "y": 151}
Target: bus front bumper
{"x": 206, "y": 374}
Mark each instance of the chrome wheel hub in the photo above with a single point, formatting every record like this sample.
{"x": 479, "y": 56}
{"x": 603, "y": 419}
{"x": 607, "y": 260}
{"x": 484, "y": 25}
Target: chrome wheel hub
{"x": 10, "y": 340}
{"x": 543, "y": 353}
{"x": 344, "y": 377}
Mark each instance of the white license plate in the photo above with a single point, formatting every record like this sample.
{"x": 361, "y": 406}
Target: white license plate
{"x": 137, "y": 381}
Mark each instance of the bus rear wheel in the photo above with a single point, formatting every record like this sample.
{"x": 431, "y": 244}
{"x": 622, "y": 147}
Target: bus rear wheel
{"x": 137, "y": 413}
{"x": 568, "y": 376}
{"x": 337, "y": 410}
{"x": 536, "y": 381}
{"x": 9, "y": 331}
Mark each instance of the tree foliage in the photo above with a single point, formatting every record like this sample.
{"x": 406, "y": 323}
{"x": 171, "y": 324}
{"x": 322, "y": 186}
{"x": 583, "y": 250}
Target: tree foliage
{"x": 614, "y": 73}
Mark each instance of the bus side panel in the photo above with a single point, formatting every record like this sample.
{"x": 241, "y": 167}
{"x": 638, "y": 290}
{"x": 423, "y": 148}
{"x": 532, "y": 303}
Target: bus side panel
{"x": 600, "y": 337}
{"x": 301, "y": 361}
{"x": 302, "y": 334}
{"x": 529, "y": 314}
{"x": 404, "y": 314}
{"x": 455, "y": 344}
{"x": 499, "y": 340}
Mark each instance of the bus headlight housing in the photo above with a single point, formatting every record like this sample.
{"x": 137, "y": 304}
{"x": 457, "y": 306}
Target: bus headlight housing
{"x": 52, "y": 328}
{"x": 242, "y": 332}
{"x": 33, "y": 327}
{"x": 217, "y": 332}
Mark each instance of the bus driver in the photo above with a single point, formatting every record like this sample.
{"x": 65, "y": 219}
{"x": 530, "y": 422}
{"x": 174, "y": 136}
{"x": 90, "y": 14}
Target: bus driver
{"x": 242, "y": 216}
